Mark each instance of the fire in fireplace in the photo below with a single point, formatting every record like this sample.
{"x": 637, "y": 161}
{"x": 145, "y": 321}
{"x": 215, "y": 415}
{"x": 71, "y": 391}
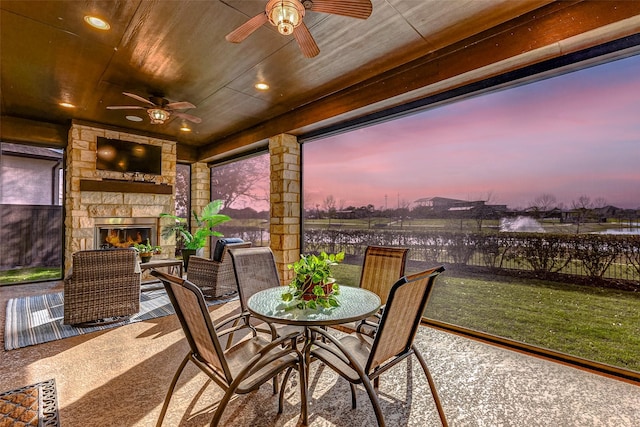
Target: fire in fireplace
{"x": 124, "y": 232}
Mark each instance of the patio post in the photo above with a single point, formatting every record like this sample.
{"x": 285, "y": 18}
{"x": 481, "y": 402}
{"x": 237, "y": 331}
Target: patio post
{"x": 284, "y": 228}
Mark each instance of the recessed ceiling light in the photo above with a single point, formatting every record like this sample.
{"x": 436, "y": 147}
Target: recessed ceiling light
{"x": 96, "y": 22}
{"x": 66, "y": 105}
{"x": 261, "y": 86}
{"x": 134, "y": 118}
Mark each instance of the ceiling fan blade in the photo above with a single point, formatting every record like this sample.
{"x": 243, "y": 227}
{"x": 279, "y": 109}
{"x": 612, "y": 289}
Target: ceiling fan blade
{"x": 306, "y": 42}
{"x": 352, "y": 8}
{"x": 246, "y": 29}
{"x": 139, "y": 98}
{"x": 182, "y": 105}
{"x": 125, "y": 107}
{"x": 186, "y": 116}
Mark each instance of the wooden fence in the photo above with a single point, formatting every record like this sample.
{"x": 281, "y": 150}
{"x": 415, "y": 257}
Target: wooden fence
{"x": 30, "y": 236}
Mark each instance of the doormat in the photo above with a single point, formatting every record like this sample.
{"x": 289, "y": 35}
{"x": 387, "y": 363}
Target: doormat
{"x": 33, "y": 405}
{"x": 38, "y": 319}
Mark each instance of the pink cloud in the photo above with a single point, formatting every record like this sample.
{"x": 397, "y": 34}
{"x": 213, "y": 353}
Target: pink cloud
{"x": 571, "y": 135}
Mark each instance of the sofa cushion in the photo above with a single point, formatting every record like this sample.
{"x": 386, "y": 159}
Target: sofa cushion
{"x": 221, "y": 243}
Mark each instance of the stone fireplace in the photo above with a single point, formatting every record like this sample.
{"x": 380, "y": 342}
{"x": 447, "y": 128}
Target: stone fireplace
{"x": 101, "y": 204}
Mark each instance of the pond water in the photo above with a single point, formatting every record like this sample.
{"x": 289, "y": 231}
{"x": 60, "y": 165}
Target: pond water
{"x": 627, "y": 230}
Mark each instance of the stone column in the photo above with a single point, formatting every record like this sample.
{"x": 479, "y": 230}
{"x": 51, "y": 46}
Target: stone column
{"x": 284, "y": 151}
{"x": 200, "y": 194}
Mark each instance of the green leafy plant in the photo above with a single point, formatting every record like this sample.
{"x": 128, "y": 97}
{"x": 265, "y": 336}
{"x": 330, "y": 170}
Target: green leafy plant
{"x": 147, "y": 248}
{"x": 205, "y": 222}
{"x": 313, "y": 285}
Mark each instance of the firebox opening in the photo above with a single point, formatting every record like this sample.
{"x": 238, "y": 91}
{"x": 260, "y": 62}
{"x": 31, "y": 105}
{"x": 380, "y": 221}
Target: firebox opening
{"x": 123, "y": 237}
{"x": 125, "y": 232}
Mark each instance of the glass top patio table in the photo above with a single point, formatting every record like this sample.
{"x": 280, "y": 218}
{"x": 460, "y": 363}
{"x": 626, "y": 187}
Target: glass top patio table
{"x": 355, "y": 304}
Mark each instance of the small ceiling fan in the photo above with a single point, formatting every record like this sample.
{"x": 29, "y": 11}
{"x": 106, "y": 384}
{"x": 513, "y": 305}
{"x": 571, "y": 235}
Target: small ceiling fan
{"x": 159, "y": 109}
{"x": 287, "y": 16}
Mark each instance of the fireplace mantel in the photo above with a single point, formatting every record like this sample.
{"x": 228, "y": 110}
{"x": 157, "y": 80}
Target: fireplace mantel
{"x": 124, "y": 186}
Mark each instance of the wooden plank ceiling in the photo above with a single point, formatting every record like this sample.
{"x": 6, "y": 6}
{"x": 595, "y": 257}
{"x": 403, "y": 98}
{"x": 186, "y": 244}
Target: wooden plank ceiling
{"x": 177, "y": 49}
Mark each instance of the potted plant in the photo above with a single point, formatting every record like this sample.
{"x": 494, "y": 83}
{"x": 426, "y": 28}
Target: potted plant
{"x": 204, "y": 223}
{"x": 146, "y": 250}
{"x": 313, "y": 285}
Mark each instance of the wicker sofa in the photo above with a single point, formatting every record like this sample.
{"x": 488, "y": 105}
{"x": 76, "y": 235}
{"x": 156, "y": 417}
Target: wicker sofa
{"x": 215, "y": 277}
{"x": 104, "y": 285}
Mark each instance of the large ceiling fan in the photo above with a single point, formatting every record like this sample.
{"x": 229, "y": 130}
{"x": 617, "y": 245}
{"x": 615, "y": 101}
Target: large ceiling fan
{"x": 159, "y": 108}
{"x": 287, "y": 16}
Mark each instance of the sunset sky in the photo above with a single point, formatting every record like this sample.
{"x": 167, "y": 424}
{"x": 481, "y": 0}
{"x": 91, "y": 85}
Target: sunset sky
{"x": 572, "y": 135}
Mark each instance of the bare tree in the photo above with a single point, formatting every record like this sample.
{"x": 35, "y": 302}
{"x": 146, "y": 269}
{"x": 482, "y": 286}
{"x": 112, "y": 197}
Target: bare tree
{"x": 183, "y": 199}
{"x": 403, "y": 210}
{"x": 483, "y": 212}
{"x": 582, "y": 205}
{"x": 330, "y": 206}
{"x": 582, "y": 202}
{"x": 544, "y": 203}
{"x": 329, "y": 203}
{"x": 599, "y": 202}
{"x": 240, "y": 181}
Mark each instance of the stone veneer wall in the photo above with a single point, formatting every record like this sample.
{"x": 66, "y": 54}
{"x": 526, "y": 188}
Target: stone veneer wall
{"x": 284, "y": 151}
{"x": 200, "y": 193}
{"x": 83, "y": 207}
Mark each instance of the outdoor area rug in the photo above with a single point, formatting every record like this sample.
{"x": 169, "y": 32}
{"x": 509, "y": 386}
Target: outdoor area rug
{"x": 38, "y": 319}
{"x": 33, "y": 405}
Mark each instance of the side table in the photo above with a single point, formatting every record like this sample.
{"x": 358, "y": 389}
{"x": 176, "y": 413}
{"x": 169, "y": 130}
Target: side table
{"x": 174, "y": 266}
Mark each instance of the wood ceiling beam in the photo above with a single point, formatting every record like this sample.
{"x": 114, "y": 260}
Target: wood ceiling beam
{"x": 548, "y": 32}
{"x": 19, "y": 130}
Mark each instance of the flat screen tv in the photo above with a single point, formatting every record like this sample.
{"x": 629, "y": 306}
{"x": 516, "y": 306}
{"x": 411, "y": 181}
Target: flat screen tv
{"x": 124, "y": 156}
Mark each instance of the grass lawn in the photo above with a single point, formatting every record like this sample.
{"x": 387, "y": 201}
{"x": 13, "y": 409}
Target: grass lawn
{"x": 592, "y": 323}
{"x": 29, "y": 274}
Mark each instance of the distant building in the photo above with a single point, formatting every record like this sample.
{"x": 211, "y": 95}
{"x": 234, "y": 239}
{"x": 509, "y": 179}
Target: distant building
{"x": 443, "y": 202}
{"x": 30, "y": 175}
{"x": 443, "y": 206}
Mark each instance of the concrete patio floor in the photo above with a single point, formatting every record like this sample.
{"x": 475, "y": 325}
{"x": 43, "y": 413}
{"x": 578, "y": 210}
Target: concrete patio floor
{"x": 119, "y": 377}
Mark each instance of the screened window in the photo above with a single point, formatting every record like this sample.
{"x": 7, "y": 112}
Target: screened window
{"x": 529, "y": 195}
{"x": 31, "y": 194}
{"x": 243, "y": 186}
{"x": 183, "y": 190}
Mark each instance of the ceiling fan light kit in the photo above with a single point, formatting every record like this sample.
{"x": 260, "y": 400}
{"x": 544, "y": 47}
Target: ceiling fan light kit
{"x": 158, "y": 108}
{"x": 287, "y": 16}
{"x": 158, "y": 115}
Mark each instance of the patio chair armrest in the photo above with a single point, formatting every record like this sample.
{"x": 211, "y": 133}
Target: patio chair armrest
{"x": 239, "y": 316}
{"x": 367, "y": 323}
{"x": 244, "y": 317}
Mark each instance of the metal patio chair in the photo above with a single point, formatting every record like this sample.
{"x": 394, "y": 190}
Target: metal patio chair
{"x": 381, "y": 268}
{"x": 240, "y": 369}
{"x": 255, "y": 270}
{"x": 360, "y": 358}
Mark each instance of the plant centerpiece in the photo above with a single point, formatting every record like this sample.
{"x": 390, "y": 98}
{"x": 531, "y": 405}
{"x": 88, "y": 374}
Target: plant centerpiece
{"x": 204, "y": 224}
{"x": 313, "y": 285}
{"x": 146, "y": 250}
